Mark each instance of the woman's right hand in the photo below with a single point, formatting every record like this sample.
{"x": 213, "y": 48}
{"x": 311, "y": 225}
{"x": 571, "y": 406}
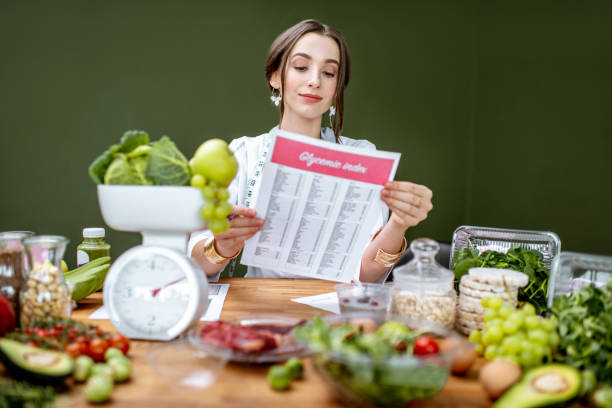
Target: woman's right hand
{"x": 244, "y": 223}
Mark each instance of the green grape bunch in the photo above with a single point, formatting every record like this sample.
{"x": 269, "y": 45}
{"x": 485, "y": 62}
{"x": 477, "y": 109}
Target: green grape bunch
{"x": 213, "y": 167}
{"x": 517, "y": 335}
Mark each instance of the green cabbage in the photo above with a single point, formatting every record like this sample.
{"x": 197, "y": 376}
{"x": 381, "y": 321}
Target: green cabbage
{"x": 167, "y": 165}
{"x": 136, "y": 162}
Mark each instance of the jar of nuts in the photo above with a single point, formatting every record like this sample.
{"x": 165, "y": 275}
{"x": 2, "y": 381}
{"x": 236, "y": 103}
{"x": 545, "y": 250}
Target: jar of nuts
{"x": 422, "y": 288}
{"x": 44, "y": 292}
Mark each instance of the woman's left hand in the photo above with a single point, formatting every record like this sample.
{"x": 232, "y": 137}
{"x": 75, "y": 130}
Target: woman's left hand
{"x": 410, "y": 203}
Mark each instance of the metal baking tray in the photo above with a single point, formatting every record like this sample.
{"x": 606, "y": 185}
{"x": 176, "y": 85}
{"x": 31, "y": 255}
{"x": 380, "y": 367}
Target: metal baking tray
{"x": 571, "y": 270}
{"x": 501, "y": 239}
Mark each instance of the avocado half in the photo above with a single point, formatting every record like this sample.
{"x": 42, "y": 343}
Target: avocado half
{"x": 34, "y": 364}
{"x": 547, "y": 385}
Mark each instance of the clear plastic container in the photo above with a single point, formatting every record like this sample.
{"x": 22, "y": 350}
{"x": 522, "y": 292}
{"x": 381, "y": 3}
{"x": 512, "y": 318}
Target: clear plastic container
{"x": 423, "y": 288}
{"x": 11, "y": 267}
{"x": 502, "y": 239}
{"x": 363, "y": 297}
{"x": 571, "y": 271}
{"x": 93, "y": 246}
{"x": 44, "y": 292}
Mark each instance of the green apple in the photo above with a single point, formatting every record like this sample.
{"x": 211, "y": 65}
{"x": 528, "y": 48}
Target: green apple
{"x": 64, "y": 267}
{"x": 215, "y": 161}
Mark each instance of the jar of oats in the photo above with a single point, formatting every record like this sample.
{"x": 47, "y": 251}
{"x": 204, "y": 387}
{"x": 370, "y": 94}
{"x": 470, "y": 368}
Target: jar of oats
{"x": 422, "y": 288}
{"x": 44, "y": 292}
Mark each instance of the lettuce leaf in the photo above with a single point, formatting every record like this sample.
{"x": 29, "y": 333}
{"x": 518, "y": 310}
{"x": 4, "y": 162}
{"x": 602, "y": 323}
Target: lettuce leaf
{"x": 130, "y": 141}
{"x": 167, "y": 165}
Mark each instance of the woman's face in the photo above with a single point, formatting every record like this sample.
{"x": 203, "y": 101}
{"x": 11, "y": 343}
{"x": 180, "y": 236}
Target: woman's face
{"x": 311, "y": 76}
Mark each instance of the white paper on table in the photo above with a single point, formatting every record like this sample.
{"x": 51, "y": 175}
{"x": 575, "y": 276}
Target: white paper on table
{"x": 318, "y": 200}
{"x": 326, "y": 301}
{"x": 216, "y": 298}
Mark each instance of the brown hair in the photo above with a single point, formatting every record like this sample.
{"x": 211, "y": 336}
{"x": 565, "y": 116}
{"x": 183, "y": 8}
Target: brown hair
{"x": 284, "y": 43}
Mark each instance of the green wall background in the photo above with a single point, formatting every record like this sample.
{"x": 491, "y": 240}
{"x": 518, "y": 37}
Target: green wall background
{"x": 501, "y": 108}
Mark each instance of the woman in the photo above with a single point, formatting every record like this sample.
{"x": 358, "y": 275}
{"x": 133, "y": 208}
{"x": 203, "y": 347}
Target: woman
{"x": 307, "y": 70}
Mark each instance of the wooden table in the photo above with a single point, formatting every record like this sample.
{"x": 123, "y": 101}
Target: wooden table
{"x": 246, "y": 385}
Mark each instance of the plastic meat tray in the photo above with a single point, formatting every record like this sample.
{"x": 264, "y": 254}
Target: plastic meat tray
{"x": 501, "y": 240}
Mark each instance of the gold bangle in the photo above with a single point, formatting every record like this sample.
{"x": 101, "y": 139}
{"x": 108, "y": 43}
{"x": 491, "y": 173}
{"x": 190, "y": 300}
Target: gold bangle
{"x": 386, "y": 259}
{"x": 212, "y": 255}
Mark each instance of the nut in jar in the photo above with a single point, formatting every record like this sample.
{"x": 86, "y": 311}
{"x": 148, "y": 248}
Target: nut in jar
{"x": 44, "y": 292}
{"x": 437, "y": 307}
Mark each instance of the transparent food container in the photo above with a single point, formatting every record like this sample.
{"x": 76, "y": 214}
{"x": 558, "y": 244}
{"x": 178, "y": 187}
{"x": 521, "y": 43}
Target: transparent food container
{"x": 501, "y": 240}
{"x": 44, "y": 292}
{"x": 364, "y": 379}
{"x": 424, "y": 289}
{"x": 185, "y": 367}
{"x": 571, "y": 271}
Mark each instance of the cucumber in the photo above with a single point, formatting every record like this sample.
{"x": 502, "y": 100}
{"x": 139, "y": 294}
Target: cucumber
{"x": 87, "y": 282}
{"x": 96, "y": 262}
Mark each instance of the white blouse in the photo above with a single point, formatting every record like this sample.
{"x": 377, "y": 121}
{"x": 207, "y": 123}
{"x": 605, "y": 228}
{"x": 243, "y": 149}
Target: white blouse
{"x": 251, "y": 153}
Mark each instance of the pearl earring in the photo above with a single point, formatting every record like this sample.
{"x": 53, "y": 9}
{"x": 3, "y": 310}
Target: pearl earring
{"x": 276, "y": 97}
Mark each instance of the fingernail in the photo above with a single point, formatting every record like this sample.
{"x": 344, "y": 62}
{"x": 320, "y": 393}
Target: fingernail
{"x": 231, "y": 217}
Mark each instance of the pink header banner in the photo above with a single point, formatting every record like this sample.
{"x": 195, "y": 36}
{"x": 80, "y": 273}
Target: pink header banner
{"x": 352, "y": 166}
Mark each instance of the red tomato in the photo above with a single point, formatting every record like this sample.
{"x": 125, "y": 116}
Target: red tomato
{"x": 425, "y": 345}
{"x": 121, "y": 342}
{"x": 97, "y": 348}
{"x": 72, "y": 349}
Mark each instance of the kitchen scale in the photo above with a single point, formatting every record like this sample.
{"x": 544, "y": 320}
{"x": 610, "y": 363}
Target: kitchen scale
{"x": 154, "y": 291}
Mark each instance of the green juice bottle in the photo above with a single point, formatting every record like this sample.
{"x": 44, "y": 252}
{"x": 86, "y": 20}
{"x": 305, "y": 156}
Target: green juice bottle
{"x": 93, "y": 246}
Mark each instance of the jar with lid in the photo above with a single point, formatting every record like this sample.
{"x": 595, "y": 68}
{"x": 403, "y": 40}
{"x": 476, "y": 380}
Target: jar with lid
{"x": 92, "y": 247}
{"x": 44, "y": 292}
{"x": 11, "y": 267}
{"x": 424, "y": 289}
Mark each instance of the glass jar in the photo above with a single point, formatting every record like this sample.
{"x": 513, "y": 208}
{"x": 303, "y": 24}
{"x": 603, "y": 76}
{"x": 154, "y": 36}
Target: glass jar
{"x": 424, "y": 289}
{"x": 11, "y": 267}
{"x": 92, "y": 247}
{"x": 44, "y": 292}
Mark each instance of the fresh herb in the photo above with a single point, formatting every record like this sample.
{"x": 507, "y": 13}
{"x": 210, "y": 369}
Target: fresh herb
{"x": 528, "y": 261}
{"x": 19, "y": 394}
{"x": 584, "y": 326}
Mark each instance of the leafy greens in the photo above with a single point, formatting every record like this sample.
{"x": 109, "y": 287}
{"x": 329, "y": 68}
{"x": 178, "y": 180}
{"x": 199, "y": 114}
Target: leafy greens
{"x": 135, "y": 161}
{"x": 584, "y": 322}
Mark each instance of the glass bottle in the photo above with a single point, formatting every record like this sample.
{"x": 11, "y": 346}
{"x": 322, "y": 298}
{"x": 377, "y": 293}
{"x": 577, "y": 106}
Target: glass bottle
{"x": 424, "y": 289}
{"x": 11, "y": 267}
{"x": 93, "y": 246}
{"x": 44, "y": 292}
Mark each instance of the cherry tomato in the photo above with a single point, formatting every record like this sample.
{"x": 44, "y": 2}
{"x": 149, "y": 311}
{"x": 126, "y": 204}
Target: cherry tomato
{"x": 42, "y": 333}
{"x": 59, "y": 327}
{"x": 425, "y": 345}
{"x": 32, "y": 343}
{"x": 121, "y": 342}
{"x": 97, "y": 348}
{"x": 72, "y": 349}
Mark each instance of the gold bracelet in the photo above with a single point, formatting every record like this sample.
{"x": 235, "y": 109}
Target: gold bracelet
{"x": 212, "y": 255}
{"x": 386, "y": 259}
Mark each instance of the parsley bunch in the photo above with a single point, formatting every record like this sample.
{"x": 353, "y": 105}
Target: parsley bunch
{"x": 584, "y": 326}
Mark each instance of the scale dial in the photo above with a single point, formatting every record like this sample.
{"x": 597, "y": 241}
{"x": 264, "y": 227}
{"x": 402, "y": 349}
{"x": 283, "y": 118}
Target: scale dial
{"x": 155, "y": 293}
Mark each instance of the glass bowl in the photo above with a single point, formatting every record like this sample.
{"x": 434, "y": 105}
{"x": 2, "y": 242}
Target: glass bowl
{"x": 288, "y": 346}
{"x": 363, "y": 297}
{"x": 185, "y": 367}
{"x": 372, "y": 378}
